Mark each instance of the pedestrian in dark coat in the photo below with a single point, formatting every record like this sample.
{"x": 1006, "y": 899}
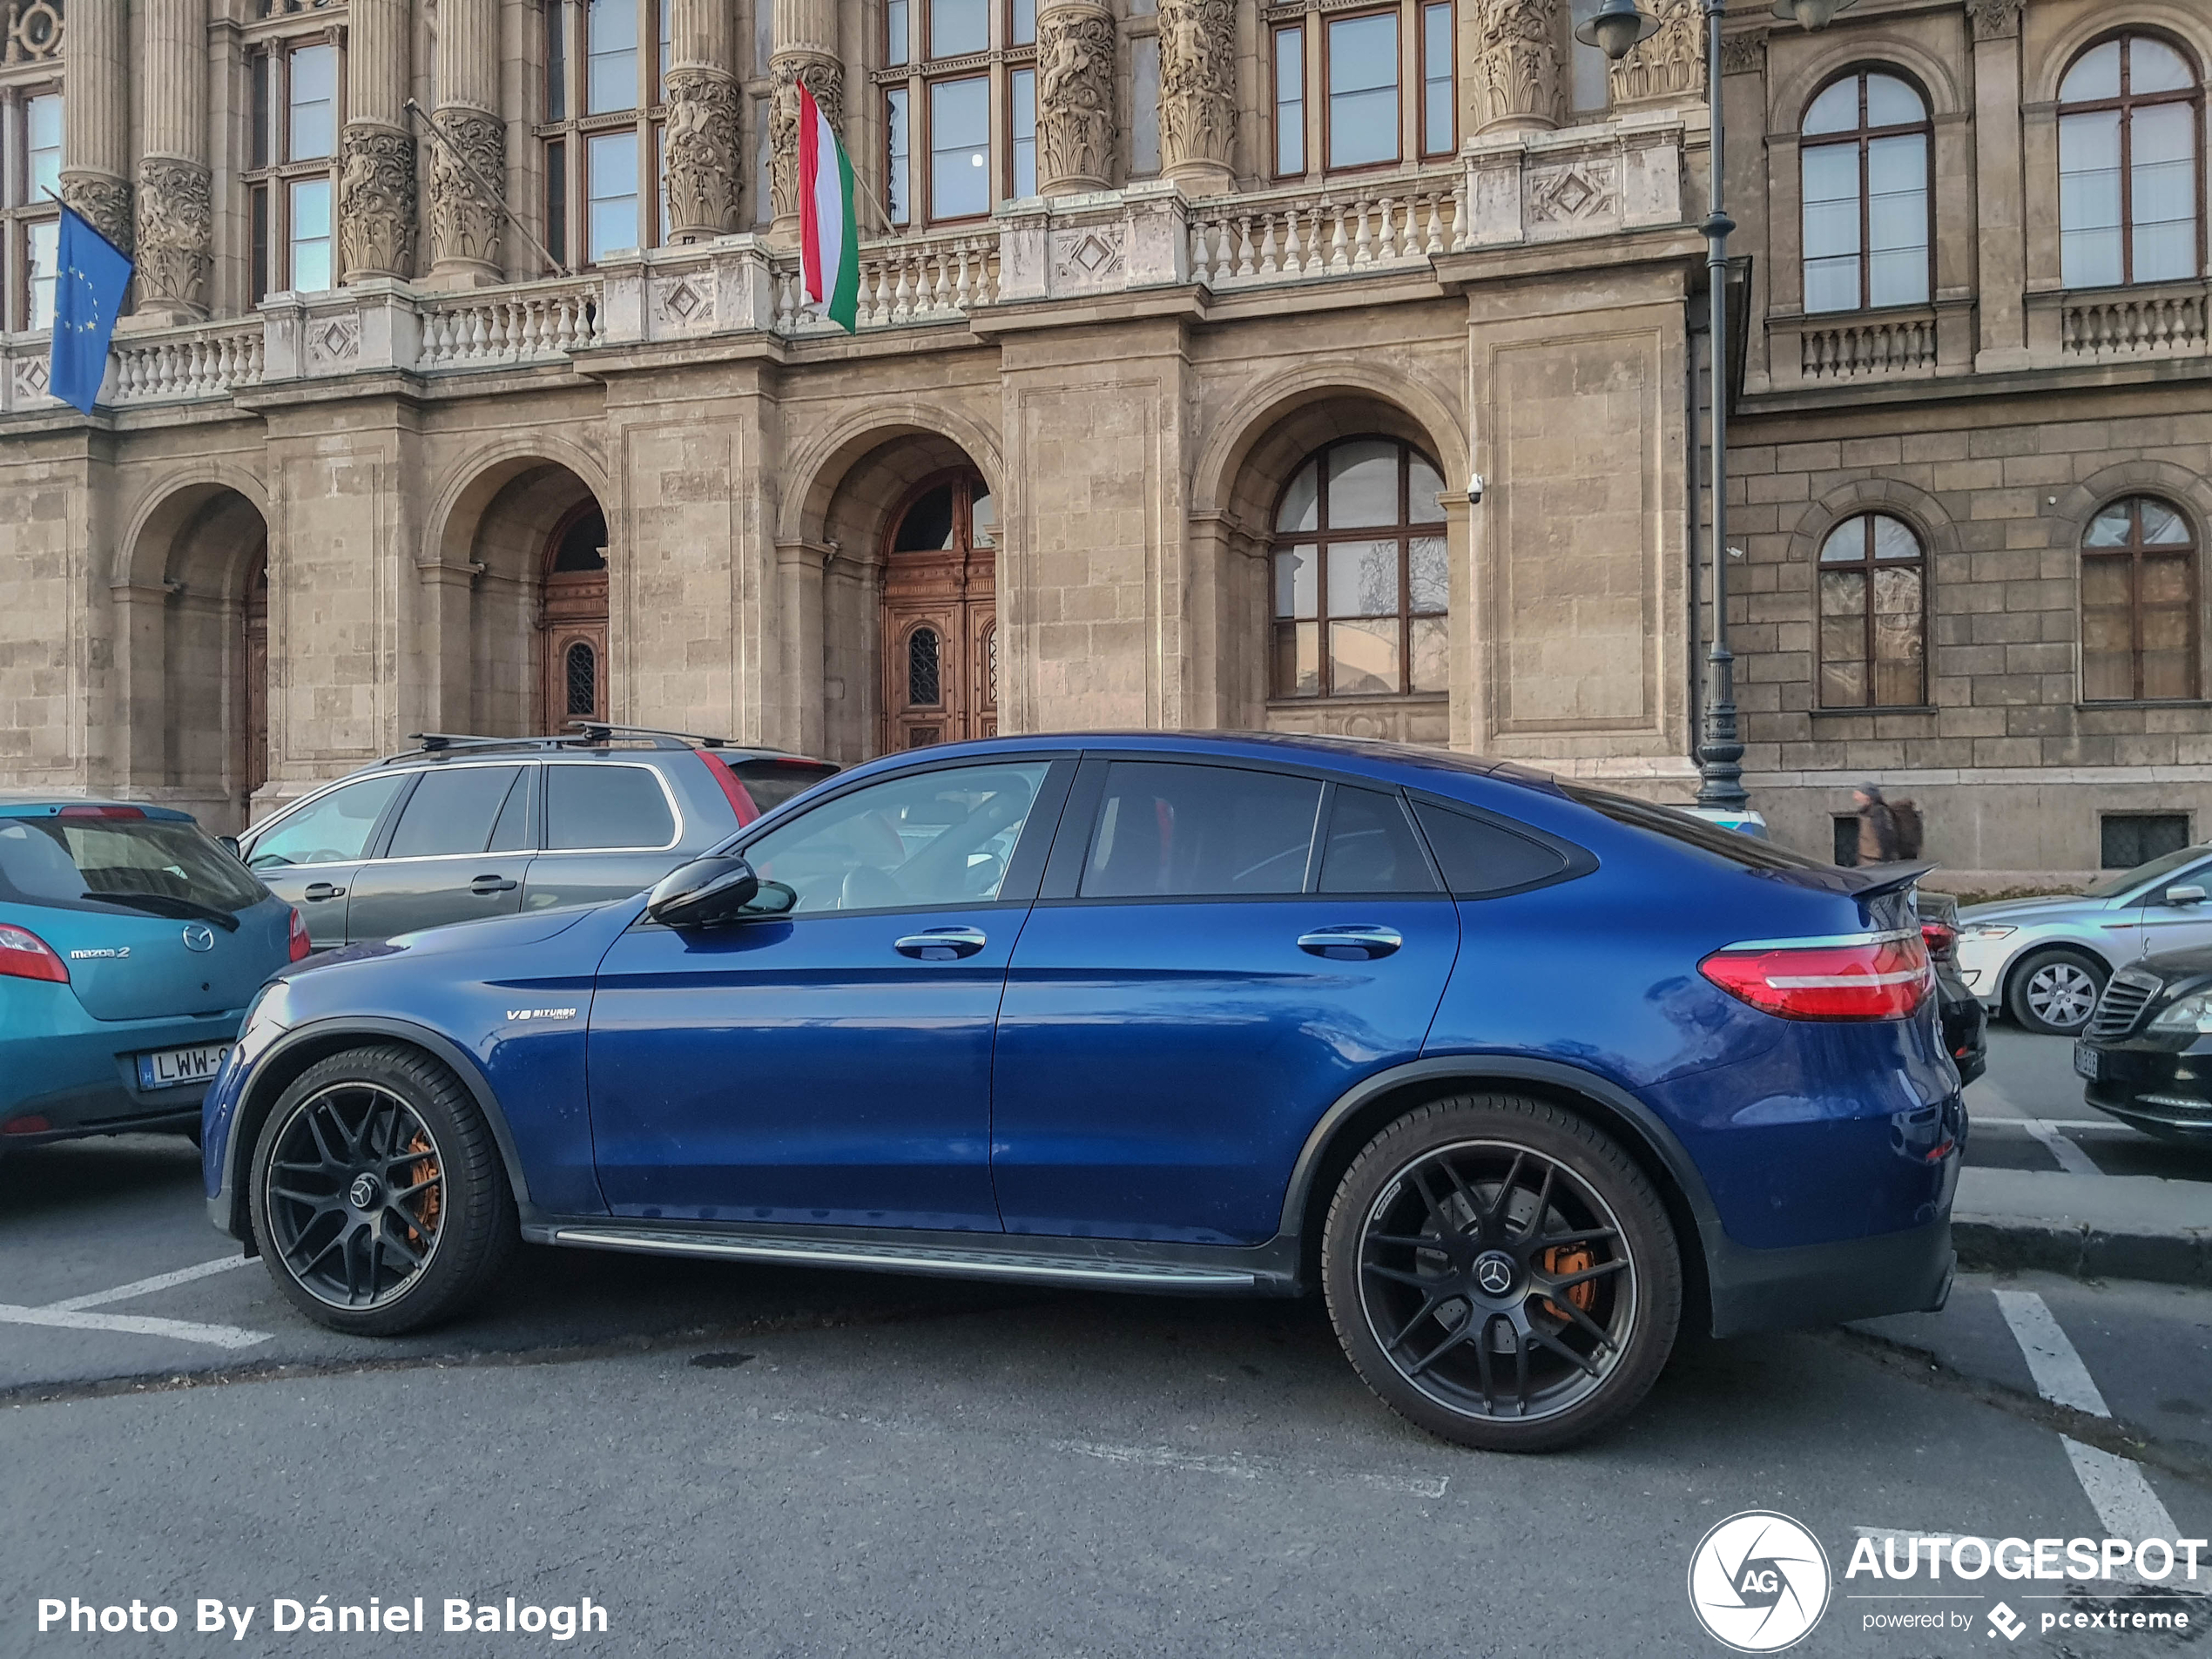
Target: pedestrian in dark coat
{"x": 1877, "y": 825}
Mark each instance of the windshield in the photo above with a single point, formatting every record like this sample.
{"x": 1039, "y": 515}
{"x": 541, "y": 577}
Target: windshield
{"x": 2117, "y": 883}
{"x": 163, "y": 865}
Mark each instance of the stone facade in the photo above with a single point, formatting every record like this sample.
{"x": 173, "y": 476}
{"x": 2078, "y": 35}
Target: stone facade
{"x": 1131, "y": 370}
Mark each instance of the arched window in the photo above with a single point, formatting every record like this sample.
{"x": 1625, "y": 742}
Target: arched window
{"x": 925, "y": 688}
{"x": 1864, "y": 157}
{"x": 1362, "y": 584}
{"x": 1874, "y": 614}
{"x": 582, "y": 671}
{"x": 2138, "y": 604}
{"x": 2127, "y": 165}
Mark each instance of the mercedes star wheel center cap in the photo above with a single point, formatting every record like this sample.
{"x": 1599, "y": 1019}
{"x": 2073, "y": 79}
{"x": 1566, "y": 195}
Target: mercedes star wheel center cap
{"x": 362, "y": 1194}
{"x": 1494, "y": 1272}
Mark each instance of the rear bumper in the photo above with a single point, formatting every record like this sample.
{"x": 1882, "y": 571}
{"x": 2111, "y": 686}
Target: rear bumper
{"x": 85, "y": 1080}
{"x": 1855, "y": 1278}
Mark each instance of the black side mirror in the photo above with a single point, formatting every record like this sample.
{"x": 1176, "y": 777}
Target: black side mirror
{"x": 705, "y": 893}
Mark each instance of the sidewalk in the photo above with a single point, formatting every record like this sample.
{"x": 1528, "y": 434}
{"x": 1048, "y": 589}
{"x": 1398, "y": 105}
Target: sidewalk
{"x": 2086, "y": 1226}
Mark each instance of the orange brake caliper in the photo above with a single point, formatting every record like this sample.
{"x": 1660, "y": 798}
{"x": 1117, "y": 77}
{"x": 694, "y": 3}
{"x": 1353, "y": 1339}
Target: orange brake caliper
{"x": 1571, "y": 1258}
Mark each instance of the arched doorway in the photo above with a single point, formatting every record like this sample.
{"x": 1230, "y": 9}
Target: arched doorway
{"x": 572, "y": 620}
{"x": 940, "y": 614}
{"x": 253, "y": 766}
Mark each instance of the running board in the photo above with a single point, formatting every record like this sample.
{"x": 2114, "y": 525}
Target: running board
{"x": 936, "y": 1261}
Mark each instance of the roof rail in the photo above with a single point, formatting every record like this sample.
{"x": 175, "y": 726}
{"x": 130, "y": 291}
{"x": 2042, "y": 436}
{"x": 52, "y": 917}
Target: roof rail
{"x": 597, "y": 730}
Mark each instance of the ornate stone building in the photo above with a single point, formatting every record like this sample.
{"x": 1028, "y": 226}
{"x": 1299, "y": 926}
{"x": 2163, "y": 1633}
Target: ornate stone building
{"x": 1314, "y": 365}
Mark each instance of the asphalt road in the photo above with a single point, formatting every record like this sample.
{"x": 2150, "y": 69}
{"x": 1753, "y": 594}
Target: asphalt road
{"x": 734, "y": 1460}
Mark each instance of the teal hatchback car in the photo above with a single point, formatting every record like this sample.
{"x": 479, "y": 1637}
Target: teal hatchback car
{"x": 131, "y": 942}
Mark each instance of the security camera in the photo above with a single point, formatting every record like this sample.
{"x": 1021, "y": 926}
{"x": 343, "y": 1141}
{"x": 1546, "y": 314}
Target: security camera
{"x": 1475, "y": 487}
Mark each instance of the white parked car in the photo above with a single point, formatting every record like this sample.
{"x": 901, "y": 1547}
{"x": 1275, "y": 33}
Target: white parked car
{"x": 2046, "y": 960}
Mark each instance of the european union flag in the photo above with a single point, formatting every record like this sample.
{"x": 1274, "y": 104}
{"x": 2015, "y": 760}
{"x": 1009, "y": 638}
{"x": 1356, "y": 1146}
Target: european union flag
{"x": 91, "y": 277}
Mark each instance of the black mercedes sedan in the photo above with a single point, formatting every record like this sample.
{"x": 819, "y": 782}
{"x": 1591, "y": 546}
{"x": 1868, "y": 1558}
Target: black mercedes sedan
{"x": 2146, "y": 1055}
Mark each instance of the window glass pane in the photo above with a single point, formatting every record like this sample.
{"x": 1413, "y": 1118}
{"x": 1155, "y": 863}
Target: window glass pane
{"x": 611, "y": 60}
{"x": 1430, "y": 578}
{"x": 1898, "y": 681}
{"x": 2162, "y": 525}
{"x": 1831, "y": 226}
{"x": 1891, "y": 103}
{"x": 1363, "y": 484}
{"x": 2110, "y": 528}
{"x": 1893, "y": 539}
{"x": 1429, "y": 653}
{"x": 517, "y": 828}
{"x": 1024, "y": 21}
{"x": 258, "y": 239}
{"x": 1833, "y": 284}
{"x": 1897, "y": 214}
{"x": 452, "y": 811}
{"x": 1301, "y": 502}
{"x": 257, "y": 140}
{"x": 1424, "y": 486}
{"x": 2163, "y": 190}
{"x": 928, "y": 525}
{"x": 557, "y": 199}
{"x": 1297, "y": 659}
{"x": 1589, "y": 69}
{"x": 1847, "y": 542}
{"x": 2153, "y": 66}
{"x": 960, "y": 147}
{"x": 1144, "y": 97}
{"x": 959, "y": 26}
{"x": 1363, "y": 579}
{"x": 924, "y": 683}
{"x": 314, "y": 106}
{"x": 1166, "y": 830}
{"x": 667, "y": 39}
{"x": 1297, "y": 590}
{"x": 42, "y": 127}
{"x": 928, "y": 838}
{"x": 899, "y": 147}
{"x": 311, "y": 271}
{"x": 612, "y": 160}
{"x": 556, "y": 61}
{"x": 1290, "y": 100}
{"x": 42, "y": 245}
{"x": 1363, "y": 658}
{"x": 1022, "y": 96}
{"x": 2095, "y": 74}
{"x": 327, "y": 830}
{"x": 1436, "y": 80}
{"x": 1363, "y": 89}
{"x": 1478, "y": 857}
{"x": 605, "y": 807}
{"x": 1371, "y": 846}
{"x": 895, "y": 31}
{"x": 1836, "y": 110}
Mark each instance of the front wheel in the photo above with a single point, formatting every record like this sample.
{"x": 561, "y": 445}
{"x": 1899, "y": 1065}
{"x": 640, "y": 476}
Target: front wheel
{"x": 2055, "y": 992}
{"x": 379, "y": 1199}
{"x": 1501, "y": 1273}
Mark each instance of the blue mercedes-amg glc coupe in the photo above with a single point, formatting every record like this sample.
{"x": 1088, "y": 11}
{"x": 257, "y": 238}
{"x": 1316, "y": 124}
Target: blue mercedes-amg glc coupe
{"x": 1520, "y": 1075}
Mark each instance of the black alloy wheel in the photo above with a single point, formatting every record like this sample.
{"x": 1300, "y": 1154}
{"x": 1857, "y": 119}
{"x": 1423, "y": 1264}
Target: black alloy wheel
{"x": 378, "y": 1197}
{"x": 1501, "y": 1273}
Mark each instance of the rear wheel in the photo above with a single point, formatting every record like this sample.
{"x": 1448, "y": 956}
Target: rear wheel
{"x": 379, "y": 1199}
{"x": 1501, "y": 1273}
{"x": 2055, "y": 992}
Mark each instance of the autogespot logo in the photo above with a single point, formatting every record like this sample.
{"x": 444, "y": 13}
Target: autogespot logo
{"x": 1758, "y": 1582}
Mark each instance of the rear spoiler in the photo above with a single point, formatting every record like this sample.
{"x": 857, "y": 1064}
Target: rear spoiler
{"x": 1886, "y": 878}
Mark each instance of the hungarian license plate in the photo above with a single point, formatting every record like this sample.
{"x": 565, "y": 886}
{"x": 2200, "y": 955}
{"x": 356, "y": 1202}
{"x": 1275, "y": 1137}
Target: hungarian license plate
{"x": 2084, "y": 1060}
{"x": 173, "y": 1068}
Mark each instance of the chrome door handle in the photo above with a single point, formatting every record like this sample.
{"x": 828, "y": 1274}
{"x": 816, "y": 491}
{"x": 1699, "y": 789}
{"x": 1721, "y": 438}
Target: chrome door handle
{"x": 485, "y": 886}
{"x": 941, "y": 944}
{"x": 318, "y": 891}
{"x": 1351, "y": 942}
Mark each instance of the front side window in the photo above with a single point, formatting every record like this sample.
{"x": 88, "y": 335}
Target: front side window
{"x": 2138, "y": 604}
{"x": 332, "y": 829}
{"x": 1170, "y": 830}
{"x": 2128, "y": 167}
{"x": 1865, "y": 167}
{"x": 1362, "y": 588}
{"x": 1362, "y": 54}
{"x": 920, "y": 841}
{"x": 1874, "y": 614}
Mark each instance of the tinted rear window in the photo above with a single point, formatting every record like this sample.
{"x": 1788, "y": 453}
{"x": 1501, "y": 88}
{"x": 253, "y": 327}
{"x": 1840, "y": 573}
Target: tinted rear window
{"x": 1744, "y": 850}
{"x": 770, "y": 783}
{"x": 1372, "y": 846}
{"x": 1479, "y": 857}
{"x": 74, "y": 861}
{"x": 1165, "y": 830}
{"x": 590, "y": 807}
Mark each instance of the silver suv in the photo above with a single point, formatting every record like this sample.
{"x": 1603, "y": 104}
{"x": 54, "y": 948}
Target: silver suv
{"x": 2045, "y": 961}
{"x": 464, "y": 827}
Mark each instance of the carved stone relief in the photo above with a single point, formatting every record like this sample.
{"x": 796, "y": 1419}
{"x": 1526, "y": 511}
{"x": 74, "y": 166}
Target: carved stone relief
{"x": 376, "y": 202}
{"x": 1088, "y": 258}
{"x": 30, "y": 32}
{"x": 1744, "y": 54}
{"x": 1517, "y": 73}
{"x": 466, "y": 218}
{"x": 1995, "y": 19}
{"x": 333, "y": 342}
{"x": 1574, "y": 194}
{"x": 175, "y": 220}
{"x": 1075, "y": 98}
{"x": 1671, "y": 62}
{"x": 1198, "y": 82}
{"x": 702, "y": 163}
{"x": 103, "y": 203}
{"x": 824, "y": 78}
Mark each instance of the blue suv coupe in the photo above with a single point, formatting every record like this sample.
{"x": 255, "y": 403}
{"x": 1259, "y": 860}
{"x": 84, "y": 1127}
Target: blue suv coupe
{"x": 1520, "y": 1075}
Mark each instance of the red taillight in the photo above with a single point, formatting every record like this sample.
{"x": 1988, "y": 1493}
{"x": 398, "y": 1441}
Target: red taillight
{"x": 23, "y": 954}
{"x": 99, "y": 812}
{"x": 1881, "y": 978}
{"x": 300, "y": 943}
{"x": 32, "y": 1125}
{"x": 1939, "y": 937}
{"x": 740, "y": 798}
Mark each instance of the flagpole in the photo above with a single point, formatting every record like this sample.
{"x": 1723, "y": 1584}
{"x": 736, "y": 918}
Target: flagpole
{"x": 861, "y": 188}
{"x": 496, "y": 198}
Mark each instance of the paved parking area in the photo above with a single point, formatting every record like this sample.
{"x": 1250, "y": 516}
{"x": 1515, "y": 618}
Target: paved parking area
{"x": 734, "y": 1458}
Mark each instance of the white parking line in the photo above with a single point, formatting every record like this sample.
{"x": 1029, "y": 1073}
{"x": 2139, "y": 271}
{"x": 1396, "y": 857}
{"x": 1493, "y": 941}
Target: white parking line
{"x": 148, "y": 1286}
{"x": 2116, "y": 1486}
{"x": 2071, "y": 1158}
{"x": 219, "y": 1336}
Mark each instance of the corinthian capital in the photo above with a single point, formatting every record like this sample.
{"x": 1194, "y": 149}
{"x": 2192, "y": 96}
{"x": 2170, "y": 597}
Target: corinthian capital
{"x": 1197, "y": 90}
{"x": 1074, "y": 97}
{"x": 376, "y": 202}
{"x": 824, "y": 78}
{"x": 703, "y": 167}
{"x": 1517, "y": 73}
{"x": 176, "y": 221}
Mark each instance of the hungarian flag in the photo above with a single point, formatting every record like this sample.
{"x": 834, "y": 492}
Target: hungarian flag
{"x": 829, "y": 236}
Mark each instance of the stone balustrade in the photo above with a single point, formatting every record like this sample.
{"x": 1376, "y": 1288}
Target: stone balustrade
{"x": 208, "y": 360}
{"x": 2156, "y": 319}
{"x": 534, "y": 322}
{"x": 1287, "y": 236}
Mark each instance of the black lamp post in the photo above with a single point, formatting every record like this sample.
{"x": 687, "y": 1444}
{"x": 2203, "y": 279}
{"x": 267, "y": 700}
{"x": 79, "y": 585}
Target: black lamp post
{"x": 1615, "y": 28}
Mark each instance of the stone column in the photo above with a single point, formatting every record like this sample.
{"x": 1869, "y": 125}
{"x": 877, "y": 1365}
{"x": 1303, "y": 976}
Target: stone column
{"x": 95, "y": 121}
{"x": 467, "y": 210}
{"x": 1519, "y": 84}
{"x": 806, "y": 51}
{"x": 376, "y": 188}
{"x": 799, "y": 567}
{"x": 2000, "y": 205}
{"x": 704, "y": 166}
{"x": 176, "y": 212}
{"x": 1075, "y": 97}
{"x": 1198, "y": 94}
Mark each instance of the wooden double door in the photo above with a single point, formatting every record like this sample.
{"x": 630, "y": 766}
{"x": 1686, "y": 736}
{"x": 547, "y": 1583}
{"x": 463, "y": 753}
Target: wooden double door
{"x": 941, "y": 616}
{"x": 572, "y": 622}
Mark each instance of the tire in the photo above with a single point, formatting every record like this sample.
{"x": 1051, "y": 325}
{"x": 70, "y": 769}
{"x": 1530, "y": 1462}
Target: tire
{"x": 1489, "y": 1168}
{"x": 378, "y": 1197}
{"x": 2053, "y": 992}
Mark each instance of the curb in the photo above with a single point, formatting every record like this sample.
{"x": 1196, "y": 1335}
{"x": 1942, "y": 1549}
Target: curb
{"x": 1992, "y": 1244}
